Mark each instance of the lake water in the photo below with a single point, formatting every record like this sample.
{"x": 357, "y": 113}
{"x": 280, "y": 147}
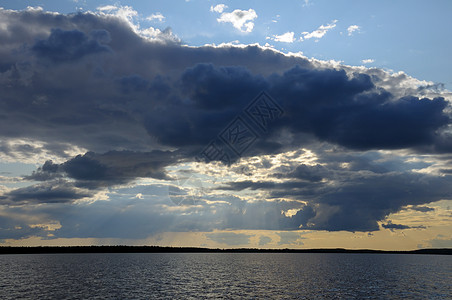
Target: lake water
{"x": 225, "y": 276}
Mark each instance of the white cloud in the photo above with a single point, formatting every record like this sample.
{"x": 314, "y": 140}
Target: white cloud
{"x": 367, "y": 61}
{"x": 107, "y": 8}
{"x": 219, "y": 8}
{"x": 151, "y": 32}
{"x": 287, "y": 37}
{"x": 352, "y": 28}
{"x": 36, "y": 8}
{"x": 156, "y": 16}
{"x": 127, "y": 13}
{"x": 131, "y": 17}
{"x": 320, "y": 32}
{"x": 240, "y": 19}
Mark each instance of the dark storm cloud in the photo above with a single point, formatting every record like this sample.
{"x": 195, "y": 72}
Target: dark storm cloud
{"x": 264, "y": 215}
{"x": 137, "y": 106}
{"x": 446, "y": 171}
{"x": 353, "y": 113}
{"x": 422, "y": 208}
{"x": 371, "y": 198}
{"x": 325, "y": 103}
{"x": 125, "y": 216}
{"x": 58, "y": 191}
{"x": 391, "y": 226}
{"x": 115, "y": 167}
{"x": 67, "y": 46}
{"x": 183, "y": 96}
{"x": 353, "y": 200}
{"x": 310, "y": 173}
{"x": 267, "y": 185}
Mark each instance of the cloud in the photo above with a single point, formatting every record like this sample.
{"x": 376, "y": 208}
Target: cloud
{"x": 219, "y": 8}
{"x": 320, "y": 32}
{"x": 441, "y": 242}
{"x": 422, "y": 208}
{"x": 240, "y": 19}
{"x": 11, "y": 229}
{"x": 367, "y": 61}
{"x": 351, "y": 121}
{"x": 115, "y": 218}
{"x": 229, "y": 238}
{"x": 353, "y": 28}
{"x": 310, "y": 173}
{"x": 121, "y": 99}
{"x": 57, "y": 191}
{"x": 264, "y": 240}
{"x": 353, "y": 198}
{"x": 107, "y": 8}
{"x": 113, "y": 107}
{"x": 132, "y": 19}
{"x": 66, "y": 46}
{"x": 115, "y": 167}
{"x": 157, "y": 16}
{"x": 289, "y": 238}
{"x": 287, "y": 37}
{"x": 391, "y": 226}
{"x": 124, "y": 12}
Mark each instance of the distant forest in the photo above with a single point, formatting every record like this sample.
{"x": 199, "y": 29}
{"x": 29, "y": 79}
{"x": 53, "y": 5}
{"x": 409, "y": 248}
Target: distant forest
{"x": 157, "y": 249}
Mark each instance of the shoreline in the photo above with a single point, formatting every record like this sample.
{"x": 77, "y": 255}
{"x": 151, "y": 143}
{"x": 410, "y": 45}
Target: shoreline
{"x": 158, "y": 249}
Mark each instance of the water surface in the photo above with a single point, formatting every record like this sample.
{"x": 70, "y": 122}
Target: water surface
{"x": 225, "y": 275}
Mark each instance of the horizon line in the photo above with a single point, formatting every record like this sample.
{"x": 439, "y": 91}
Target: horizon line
{"x": 172, "y": 249}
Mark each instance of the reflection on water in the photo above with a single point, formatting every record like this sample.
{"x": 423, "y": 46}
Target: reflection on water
{"x": 223, "y": 275}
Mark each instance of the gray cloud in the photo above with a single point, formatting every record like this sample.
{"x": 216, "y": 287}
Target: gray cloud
{"x": 422, "y": 208}
{"x": 184, "y": 96}
{"x": 289, "y": 238}
{"x": 69, "y": 46}
{"x": 56, "y": 191}
{"x": 229, "y": 238}
{"x": 441, "y": 242}
{"x": 264, "y": 240}
{"x": 138, "y": 106}
{"x": 114, "y": 167}
{"x": 353, "y": 199}
{"x": 391, "y": 226}
{"x": 18, "y": 232}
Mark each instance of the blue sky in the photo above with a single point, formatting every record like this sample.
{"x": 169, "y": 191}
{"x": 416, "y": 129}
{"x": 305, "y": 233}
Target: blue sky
{"x": 226, "y": 124}
{"x": 408, "y": 36}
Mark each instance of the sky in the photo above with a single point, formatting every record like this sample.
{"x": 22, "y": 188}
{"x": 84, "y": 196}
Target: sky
{"x": 225, "y": 124}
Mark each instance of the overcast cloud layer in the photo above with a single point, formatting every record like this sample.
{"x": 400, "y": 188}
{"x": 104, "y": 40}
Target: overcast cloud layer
{"x": 111, "y": 106}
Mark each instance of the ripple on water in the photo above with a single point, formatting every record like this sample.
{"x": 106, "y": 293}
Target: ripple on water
{"x": 225, "y": 275}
